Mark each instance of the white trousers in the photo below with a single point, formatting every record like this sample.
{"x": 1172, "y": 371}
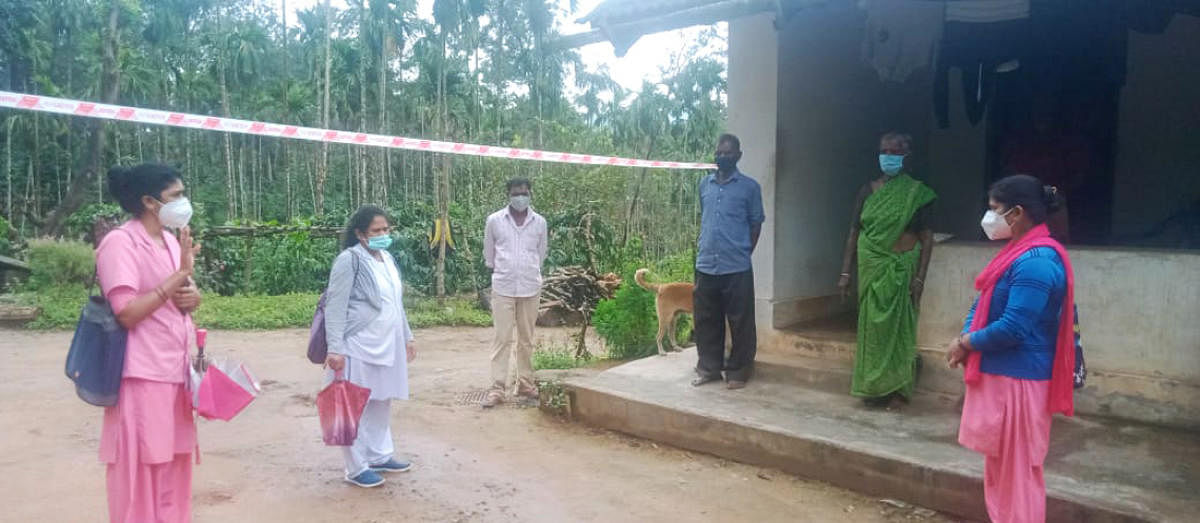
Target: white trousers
{"x": 374, "y": 445}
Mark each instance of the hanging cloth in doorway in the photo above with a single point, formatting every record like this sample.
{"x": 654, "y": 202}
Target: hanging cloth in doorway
{"x": 997, "y": 34}
{"x": 901, "y": 37}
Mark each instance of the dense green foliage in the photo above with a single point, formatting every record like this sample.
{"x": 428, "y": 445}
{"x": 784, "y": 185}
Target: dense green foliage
{"x": 627, "y": 322}
{"x": 54, "y": 263}
{"x": 483, "y": 71}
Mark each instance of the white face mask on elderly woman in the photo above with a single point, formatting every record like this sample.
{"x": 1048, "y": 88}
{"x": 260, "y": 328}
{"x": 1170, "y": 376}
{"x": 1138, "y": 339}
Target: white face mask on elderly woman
{"x": 995, "y": 226}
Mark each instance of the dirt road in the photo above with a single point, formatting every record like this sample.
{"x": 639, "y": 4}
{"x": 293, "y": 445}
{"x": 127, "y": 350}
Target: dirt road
{"x": 269, "y": 465}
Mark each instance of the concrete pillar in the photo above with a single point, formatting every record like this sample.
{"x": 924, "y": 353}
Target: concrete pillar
{"x": 752, "y": 89}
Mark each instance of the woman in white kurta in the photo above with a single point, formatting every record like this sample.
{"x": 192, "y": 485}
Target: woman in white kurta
{"x": 370, "y": 342}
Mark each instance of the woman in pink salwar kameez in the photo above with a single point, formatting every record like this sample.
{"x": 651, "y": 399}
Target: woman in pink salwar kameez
{"x": 149, "y": 437}
{"x": 1018, "y": 350}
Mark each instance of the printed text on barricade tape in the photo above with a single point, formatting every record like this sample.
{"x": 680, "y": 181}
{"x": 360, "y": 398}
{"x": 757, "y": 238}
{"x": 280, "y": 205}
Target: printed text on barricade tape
{"x": 154, "y": 117}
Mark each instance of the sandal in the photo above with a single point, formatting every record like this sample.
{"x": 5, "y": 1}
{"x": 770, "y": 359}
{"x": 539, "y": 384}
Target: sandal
{"x": 492, "y": 398}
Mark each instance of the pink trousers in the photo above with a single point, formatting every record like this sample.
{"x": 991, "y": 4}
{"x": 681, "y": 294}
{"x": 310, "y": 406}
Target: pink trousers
{"x": 1007, "y": 420}
{"x": 147, "y": 443}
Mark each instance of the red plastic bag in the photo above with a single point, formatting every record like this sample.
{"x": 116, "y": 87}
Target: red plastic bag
{"x": 340, "y": 406}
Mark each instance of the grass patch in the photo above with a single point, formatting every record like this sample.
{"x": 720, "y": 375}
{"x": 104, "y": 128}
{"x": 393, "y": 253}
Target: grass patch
{"x": 425, "y": 312}
{"x": 61, "y": 305}
{"x": 256, "y": 312}
{"x": 557, "y": 357}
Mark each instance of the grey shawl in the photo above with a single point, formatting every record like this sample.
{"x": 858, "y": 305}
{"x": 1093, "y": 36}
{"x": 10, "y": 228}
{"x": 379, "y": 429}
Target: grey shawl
{"x": 352, "y": 300}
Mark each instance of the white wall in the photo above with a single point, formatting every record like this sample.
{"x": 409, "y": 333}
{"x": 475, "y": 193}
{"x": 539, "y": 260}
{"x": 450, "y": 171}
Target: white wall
{"x": 752, "y": 89}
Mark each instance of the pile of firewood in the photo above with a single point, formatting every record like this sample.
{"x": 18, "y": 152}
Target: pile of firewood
{"x": 577, "y": 289}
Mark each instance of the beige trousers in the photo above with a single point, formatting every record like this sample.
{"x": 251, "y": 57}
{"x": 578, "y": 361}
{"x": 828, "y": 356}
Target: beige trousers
{"x": 507, "y": 313}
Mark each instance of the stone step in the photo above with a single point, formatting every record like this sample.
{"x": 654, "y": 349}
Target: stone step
{"x": 816, "y": 373}
{"x": 832, "y": 349}
{"x": 822, "y": 344}
{"x": 793, "y": 418}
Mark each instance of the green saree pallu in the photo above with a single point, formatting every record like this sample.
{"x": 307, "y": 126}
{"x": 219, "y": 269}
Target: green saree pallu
{"x": 887, "y": 317}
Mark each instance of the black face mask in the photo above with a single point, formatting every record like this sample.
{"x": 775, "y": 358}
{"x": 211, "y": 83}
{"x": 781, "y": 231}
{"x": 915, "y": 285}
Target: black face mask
{"x": 726, "y": 163}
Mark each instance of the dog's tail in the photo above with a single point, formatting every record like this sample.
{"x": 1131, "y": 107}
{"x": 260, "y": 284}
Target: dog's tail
{"x": 640, "y": 278}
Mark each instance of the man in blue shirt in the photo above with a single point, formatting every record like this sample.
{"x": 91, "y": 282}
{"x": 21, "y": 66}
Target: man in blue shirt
{"x": 731, "y": 217}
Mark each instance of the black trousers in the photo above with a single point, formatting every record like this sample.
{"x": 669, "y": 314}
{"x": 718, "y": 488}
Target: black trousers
{"x": 717, "y": 299}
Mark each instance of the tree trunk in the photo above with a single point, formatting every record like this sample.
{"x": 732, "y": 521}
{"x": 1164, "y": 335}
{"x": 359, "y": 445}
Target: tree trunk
{"x": 35, "y": 162}
{"x": 287, "y": 177}
{"x": 287, "y": 116}
{"x": 110, "y": 77}
{"x": 230, "y": 184}
{"x": 637, "y": 191}
{"x": 368, "y": 190}
{"x": 8, "y": 200}
{"x": 25, "y": 212}
{"x": 384, "y": 52}
{"x": 443, "y": 182}
{"x": 444, "y": 216}
{"x": 323, "y": 166}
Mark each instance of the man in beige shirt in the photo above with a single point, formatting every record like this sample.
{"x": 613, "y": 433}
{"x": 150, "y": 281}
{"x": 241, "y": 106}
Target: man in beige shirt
{"x": 514, "y": 247}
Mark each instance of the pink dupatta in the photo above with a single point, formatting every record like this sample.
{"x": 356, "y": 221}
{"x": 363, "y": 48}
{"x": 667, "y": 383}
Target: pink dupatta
{"x": 1062, "y": 392}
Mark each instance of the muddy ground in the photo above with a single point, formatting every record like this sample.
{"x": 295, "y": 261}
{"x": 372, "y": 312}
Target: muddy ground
{"x": 269, "y": 464}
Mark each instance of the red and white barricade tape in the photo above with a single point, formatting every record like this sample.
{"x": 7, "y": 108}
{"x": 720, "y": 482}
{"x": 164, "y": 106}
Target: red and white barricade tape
{"x": 153, "y": 117}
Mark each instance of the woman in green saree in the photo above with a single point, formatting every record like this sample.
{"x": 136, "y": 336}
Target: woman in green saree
{"x": 892, "y": 242}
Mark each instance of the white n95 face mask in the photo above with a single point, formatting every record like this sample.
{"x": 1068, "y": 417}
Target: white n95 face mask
{"x": 995, "y": 226}
{"x": 176, "y": 214}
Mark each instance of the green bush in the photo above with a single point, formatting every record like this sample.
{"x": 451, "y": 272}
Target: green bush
{"x": 60, "y": 306}
{"x": 556, "y": 358}
{"x": 78, "y": 226}
{"x": 54, "y": 263}
{"x": 628, "y": 322}
{"x": 6, "y": 237}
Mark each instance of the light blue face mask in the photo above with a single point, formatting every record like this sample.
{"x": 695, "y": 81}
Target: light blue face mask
{"x": 891, "y": 164}
{"x": 379, "y": 243}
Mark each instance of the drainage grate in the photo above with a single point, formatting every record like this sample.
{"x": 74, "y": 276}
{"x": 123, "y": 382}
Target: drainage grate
{"x": 475, "y": 397}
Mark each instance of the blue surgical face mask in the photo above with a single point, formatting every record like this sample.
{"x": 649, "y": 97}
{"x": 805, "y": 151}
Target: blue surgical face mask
{"x": 891, "y": 164}
{"x": 379, "y": 243}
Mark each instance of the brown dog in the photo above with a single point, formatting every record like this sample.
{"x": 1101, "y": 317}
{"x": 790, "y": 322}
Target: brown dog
{"x": 670, "y": 299}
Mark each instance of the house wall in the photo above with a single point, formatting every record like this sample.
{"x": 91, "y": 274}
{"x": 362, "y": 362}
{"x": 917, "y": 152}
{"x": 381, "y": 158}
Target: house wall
{"x": 832, "y": 109}
{"x": 812, "y": 143}
{"x": 1137, "y": 310}
{"x": 753, "y": 67}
